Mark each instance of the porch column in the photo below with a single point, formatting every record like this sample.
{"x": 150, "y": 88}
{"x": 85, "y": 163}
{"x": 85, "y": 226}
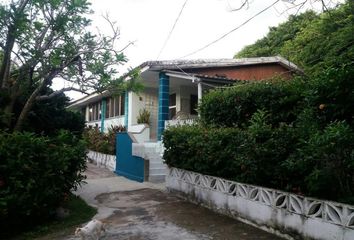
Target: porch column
{"x": 164, "y": 92}
{"x": 126, "y": 110}
{"x": 103, "y": 113}
{"x": 200, "y": 91}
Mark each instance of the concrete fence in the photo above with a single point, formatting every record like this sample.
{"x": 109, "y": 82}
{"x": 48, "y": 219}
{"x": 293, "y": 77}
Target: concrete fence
{"x": 102, "y": 160}
{"x": 289, "y": 215}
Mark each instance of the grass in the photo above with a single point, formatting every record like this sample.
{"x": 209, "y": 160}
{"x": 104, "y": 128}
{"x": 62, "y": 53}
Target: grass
{"x": 80, "y": 212}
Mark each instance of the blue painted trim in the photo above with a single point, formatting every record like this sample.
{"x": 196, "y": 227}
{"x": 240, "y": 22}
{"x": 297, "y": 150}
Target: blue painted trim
{"x": 127, "y": 165}
{"x": 103, "y": 113}
{"x": 164, "y": 96}
{"x": 126, "y": 105}
{"x": 129, "y": 176}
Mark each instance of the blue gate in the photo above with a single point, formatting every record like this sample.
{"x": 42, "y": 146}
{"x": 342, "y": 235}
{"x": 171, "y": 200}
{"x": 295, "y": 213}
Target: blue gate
{"x": 127, "y": 165}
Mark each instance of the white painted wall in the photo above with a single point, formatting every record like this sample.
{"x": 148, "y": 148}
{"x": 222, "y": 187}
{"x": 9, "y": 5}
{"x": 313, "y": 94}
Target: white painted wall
{"x": 113, "y": 121}
{"x": 147, "y": 99}
{"x": 141, "y": 132}
{"x": 285, "y": 214}
{"x": 102, "y": 160}
{"x": 94, "y": 123}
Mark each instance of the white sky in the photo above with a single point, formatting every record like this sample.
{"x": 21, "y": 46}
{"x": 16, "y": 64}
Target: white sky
{"x": 148, "y": 22}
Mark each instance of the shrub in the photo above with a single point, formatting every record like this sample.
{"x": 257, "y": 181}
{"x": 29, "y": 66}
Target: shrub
{"x": 234, "y": 107}
{"x": 241, "y": 155}
{"x": 37, "y": 173}
{"x": 296, "y": 136}
{"x": 324, "y": 163}
{"x": 102, "y": 142}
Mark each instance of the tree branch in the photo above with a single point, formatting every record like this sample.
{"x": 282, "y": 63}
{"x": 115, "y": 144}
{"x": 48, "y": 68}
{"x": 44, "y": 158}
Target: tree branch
{"x": 56, "y": 93}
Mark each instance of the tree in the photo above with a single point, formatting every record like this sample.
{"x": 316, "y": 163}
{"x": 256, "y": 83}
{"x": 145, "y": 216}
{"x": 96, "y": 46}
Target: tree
{"x": 46, "y": 39}
{"x": 313, "y": 41}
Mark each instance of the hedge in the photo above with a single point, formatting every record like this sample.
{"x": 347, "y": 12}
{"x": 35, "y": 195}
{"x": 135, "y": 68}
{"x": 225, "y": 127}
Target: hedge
{"x": 234, "y": 106}
{"x": 36, "y": 174}
{"x": 296, "y": 136}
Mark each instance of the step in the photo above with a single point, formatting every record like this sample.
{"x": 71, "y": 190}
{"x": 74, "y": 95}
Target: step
{"x": 157, "y": 171}
{"x": 157, "y": 165}
{"x": 157, "y": 178}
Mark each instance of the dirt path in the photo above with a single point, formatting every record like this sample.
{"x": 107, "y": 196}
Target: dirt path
{"x": 144, "y": 211}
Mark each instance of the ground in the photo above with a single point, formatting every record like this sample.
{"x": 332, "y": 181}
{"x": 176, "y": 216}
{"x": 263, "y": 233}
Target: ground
{"x": 145, "y": 211}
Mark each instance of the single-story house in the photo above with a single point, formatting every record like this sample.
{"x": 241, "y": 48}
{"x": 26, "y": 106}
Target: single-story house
{"x": 172, "y": 90}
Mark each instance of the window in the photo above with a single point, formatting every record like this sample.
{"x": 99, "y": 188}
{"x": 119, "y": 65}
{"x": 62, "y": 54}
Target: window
{"x": 194, "y": 105}
{"x": 122, "y": 105}
{"x": 95, "y": 111}
{"x": 114, "y": 107}
{"x": 172, "y": 106}
{"x": 108, "y": 107}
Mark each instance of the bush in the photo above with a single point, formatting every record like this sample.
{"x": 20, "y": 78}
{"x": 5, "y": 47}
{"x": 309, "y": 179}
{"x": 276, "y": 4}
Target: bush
{"x": 296, "y": 136}
{"x": 36, "y": 173}
{"x": 253, "y": 156}
{"x": 102, "y": 142}
{"x": 323, "y": 164}
{"x": 234, "y": 107}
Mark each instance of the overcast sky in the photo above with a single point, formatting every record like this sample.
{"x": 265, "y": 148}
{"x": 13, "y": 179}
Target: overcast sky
{"x": 148, "y": 23}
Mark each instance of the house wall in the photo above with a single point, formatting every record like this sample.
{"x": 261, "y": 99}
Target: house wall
{"x": 147, "y": 99}
{"x": 252, "y": 72}
{"x": 113, "y": 121}
{"x": 184, "y": 98}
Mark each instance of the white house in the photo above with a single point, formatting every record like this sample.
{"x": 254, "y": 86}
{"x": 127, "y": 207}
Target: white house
{"x": 173, "y": 89}
{"x": 171, "y": 93}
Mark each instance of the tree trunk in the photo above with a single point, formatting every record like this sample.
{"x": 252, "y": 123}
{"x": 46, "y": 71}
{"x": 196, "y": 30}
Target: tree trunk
{"x": 25, "y": 110}
{"x": 10, "y": 41}
{"x": 6, "y": 61}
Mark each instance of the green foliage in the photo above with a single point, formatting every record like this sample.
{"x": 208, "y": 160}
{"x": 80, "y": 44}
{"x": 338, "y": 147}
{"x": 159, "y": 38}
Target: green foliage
{"x": 313, "y": 42}
{"x": 79, "y": 212}
{"x": 325, "y": 161}
{"x": 246, "y": 156}
{"x": 37, "y": 173}
{"x": 296, "y": 136}
{"x": 46, "y": 40}
{"x": 47, "y": 116}
{"x": 143, "y": 117}
{"x": 102, "y": 142}
{"x": 234, "y": 107}
{"x": 277, "y": 37}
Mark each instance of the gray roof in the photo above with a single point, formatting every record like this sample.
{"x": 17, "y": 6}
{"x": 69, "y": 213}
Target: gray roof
{"x": 207, "y": 63}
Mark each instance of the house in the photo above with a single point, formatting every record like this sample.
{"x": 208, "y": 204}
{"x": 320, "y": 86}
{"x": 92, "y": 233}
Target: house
{"x": 172, "y": 90}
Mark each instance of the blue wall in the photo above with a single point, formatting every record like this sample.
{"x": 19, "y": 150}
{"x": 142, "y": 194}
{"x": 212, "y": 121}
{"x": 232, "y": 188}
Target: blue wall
{"x": 129, "y": 166}
{"x": 164, "y": 94}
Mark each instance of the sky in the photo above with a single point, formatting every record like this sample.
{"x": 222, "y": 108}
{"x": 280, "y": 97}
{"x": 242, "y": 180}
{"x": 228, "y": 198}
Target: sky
{"x": 147, "y": 23}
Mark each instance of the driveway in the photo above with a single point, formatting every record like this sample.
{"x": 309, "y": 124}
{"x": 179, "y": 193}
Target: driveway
{"x": 145, "y": 211}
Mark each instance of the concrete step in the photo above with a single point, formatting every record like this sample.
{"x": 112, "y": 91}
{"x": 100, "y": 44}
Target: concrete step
{"x": 157, "y": 178}
{"x": 157, "y": 165}
{"x": 157, "y": 171}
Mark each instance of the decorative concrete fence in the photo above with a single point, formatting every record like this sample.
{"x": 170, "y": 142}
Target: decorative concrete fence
{"x": 102, "y": 160}
{"x": 287, "y": 214}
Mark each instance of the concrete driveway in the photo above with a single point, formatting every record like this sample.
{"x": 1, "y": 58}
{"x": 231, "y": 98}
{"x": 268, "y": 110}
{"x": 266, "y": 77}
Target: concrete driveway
{"x": 145, "y": 211}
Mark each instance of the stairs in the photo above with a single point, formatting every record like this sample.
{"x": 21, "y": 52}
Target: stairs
{"x": 153, "y": 152}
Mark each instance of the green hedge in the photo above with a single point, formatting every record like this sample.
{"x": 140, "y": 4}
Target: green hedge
{"x": 296, "y": 136}
{"x": 234, "y": 107}
{"x": 253, "y": 156}
{"x": 36, "y": 174}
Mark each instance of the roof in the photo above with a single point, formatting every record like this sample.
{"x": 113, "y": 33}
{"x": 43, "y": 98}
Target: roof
{"x": 179, "y": 65}
{"x": 211, "y": 63}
